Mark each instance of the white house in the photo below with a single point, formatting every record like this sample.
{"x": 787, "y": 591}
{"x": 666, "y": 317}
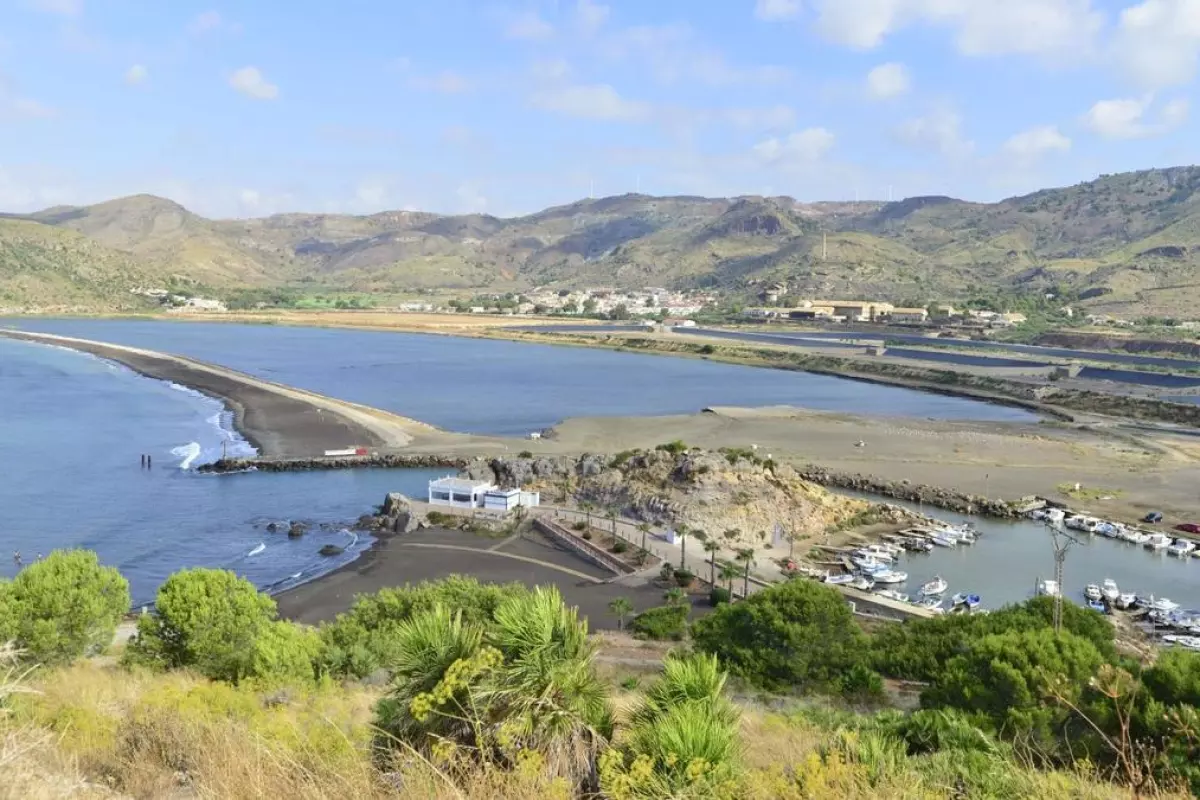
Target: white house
{"x": 459, "y": 492}
{"x": 508, "y": 499}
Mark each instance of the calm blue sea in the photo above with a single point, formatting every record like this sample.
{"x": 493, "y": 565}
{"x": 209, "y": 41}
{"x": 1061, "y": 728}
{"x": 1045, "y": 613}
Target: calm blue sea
{"x": 72, "y": 429}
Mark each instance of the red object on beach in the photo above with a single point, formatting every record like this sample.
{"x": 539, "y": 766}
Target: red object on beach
{"x": 360, "y": 451}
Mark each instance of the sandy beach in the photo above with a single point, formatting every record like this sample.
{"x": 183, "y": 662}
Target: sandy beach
{"x": 278, "y": 420}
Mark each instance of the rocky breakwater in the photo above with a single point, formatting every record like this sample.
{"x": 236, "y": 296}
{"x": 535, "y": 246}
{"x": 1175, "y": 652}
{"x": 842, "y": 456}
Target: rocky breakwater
{"x": 914, "y": 493}
{"x": 731, "y": 495}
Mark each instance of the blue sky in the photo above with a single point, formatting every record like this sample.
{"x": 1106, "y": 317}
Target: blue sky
{"x": 261, "y": 106}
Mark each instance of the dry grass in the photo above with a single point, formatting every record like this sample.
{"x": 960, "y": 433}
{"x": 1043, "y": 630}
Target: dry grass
{"x": 93, "y": 730}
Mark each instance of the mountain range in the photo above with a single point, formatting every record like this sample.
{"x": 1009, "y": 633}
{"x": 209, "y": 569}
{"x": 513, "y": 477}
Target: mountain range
{"x": 1128, "y": 244}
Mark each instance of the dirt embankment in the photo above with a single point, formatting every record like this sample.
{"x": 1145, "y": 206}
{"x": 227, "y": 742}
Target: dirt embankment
{"x": 1121, "y": 344}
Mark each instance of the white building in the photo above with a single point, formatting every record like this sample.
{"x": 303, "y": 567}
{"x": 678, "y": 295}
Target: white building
{"x": 459, "y": 492}
{"x": 469, "y": 493}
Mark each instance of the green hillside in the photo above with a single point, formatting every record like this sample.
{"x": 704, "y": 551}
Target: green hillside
{"x": 1131, "y": 242}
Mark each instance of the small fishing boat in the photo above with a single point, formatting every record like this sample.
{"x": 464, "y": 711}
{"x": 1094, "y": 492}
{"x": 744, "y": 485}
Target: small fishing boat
{"x": 839, "y": 580}
{"x": 1048, "y": 588}
{"x": 1126, "y": 601}
{"x": 1092, "y": 593}
{"x": 1163, "y": 605}
{"x": 1096, "y": 605}
{"x": 1182, "y": 548}
{"x": 862, "y": 583}
{"x": 1158, "y": 541}
{"x": 937, "y": 586}
{"x": 1134, "y": 536}
{"x": 933, "y": 604}
{"x": 890, "y": 576}
{"x": 942, "y": 540}
{"x": 1082, "y": 523}
{"x": 1109, "y": 590}
{"x": 1106, "y": 529}
{"x": 963, "y": 599}
{"x": 876, "y": 552}
{"x": 891, "y": 594}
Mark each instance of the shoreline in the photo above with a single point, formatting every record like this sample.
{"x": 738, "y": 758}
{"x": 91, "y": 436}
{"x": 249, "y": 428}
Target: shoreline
{"x": 277, "y": 420}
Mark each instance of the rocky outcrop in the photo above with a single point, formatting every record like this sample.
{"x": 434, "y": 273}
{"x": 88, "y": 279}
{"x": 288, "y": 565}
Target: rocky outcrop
{"x": 392, "y": 461}
{"x": 397, "y": 515}
{"x": 331, "y": 550}
{"x": 296, "y": 530}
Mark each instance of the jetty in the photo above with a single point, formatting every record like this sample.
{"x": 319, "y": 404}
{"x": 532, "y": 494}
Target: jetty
{"x": 313, "y": 463}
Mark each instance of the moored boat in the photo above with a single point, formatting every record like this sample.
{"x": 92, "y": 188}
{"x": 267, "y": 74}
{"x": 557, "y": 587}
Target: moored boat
{"x": 1126, "y": 601}
{"x": 891, "y": 594}
{"x": 862, "y": 583}
{"x": 888, "y": 576}
{"x": 1109, "y": 590}
{"x": 933, "y": 604}
{"x": 942, "y": 540}
{"x": 1092, "y": 593}
{"x": 839, "y": 580}
{"x": 1181, "y": 548}
{"x": 1048, "y": 588}
{"x": 1097, "y": 605}
{"x": 937, "y": 586}
{"x": 966, "y": 600}
{"x": 1158, "y": 541}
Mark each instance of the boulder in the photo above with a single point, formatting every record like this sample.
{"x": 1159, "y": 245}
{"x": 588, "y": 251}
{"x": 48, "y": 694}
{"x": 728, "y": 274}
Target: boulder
{"x": 395, "y": 503}
{"x": 296, "y": 530}
{"x": 331, "y": 550}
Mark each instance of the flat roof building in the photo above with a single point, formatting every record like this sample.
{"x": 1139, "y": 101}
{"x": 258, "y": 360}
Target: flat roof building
{"x": 459, "y": 492}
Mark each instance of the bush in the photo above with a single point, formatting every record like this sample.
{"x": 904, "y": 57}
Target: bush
{"x": 667, "y": 571}
{"x": 63, "y": 607}
{"x": 442, "y": 520}
{"x": 587, "y": 535}
{"x": 663, "y": 624}
{"x": 620, "y": 546}
{"x": 525, "y": 454}
{"x": 211, "y": 620}
{"x": 718, "y": 596}
{"x": 579, "y": 526}
{"x": 684, "y": 577}
{"x": 706, "y": 350}
{"x": 862, "y": 685}
{"x": 675, "y": 448}
{"x": 787, "y": 635}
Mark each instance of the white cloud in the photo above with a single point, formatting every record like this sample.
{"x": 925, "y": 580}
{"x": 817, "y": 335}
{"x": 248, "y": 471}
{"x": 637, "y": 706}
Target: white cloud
{"x": 25, "y": 108}
{"x": 445, "y": 82}
{"x": 796, "y": 149}
{"x": 674, "y": 55}
{"x": 1158, "y": 42}
{"x": 598, "y": 101}
{"x": 776, "y": 10}
{"x": 249, "y": 198}
{"x": 1130, "y": 118}
{"x": 888, "y": 80}
{"x": 529, "y": 26}
{"x": 136, "y": 75}
{"x": 554, "y": 70}
{"x": 1050, "y": 28}
{"x": 251, "y": 82}
{"x": 63, "y": 8}
{"x": 590, "y": 16}
{"x": 939, "y": 131}
{"x": 204, "y": 22}
{"x": 1030, "y": 145}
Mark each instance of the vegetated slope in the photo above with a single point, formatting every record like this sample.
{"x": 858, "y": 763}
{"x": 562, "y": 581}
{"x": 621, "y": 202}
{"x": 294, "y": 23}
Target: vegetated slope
{"x": 1129, "y": 242}
{"x": 52, "y": 269}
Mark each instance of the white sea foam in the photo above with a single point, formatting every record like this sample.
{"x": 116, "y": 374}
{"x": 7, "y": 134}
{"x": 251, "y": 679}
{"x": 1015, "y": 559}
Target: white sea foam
{"x": 189, "y": 453}
{"x": 257, "y": 550}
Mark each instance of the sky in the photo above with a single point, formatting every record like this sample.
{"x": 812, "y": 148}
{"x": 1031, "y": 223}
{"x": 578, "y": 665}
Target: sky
{"x": 254, "y": 107}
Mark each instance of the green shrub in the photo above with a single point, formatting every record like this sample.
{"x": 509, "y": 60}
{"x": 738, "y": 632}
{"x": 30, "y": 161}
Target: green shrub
{"x": 718, "y": 596}
{"x": 587, "y": 535}
{"x": 684, "y": 577}
{"x": 443, "y": 520}
{"x": 675, "y": 448}
{"x": 663, "y": 623}
{"x": 63, "y": 607}
{"x": 667, "y": 571}
{"x": 525, "y": 454}
{"x": 211, "y": 620}
{"x": 620, "y": 546}
{"x": 579, "y": 526}
{"x": 788, "y": 635}
{"x": 706, "y": 350}
{"x": 861, "y": 684}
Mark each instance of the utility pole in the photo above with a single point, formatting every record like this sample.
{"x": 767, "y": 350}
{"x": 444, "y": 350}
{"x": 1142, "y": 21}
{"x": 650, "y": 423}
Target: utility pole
{"x": 1062, "y": 543}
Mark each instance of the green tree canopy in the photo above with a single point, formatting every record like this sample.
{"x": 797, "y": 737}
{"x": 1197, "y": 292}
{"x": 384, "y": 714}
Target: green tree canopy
{"x": 209, "y": 620}
{"x": 792, "y": 634}
{"x": 63, "y": 607}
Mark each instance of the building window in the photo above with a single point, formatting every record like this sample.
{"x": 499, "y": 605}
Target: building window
{"x": 441, "y": 495}
{"x": 462, "y": 498}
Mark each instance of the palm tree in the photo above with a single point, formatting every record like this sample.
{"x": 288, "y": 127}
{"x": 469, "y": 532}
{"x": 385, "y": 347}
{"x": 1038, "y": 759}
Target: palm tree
{"x": 728, "y": 573}
{"x": 587, "y": 511}
{"x": 612, "y": 520}
{"x": 621, "y": 608}
{"x": 645, "y": 529}
{"x": 711, "y": 547}
{"x": 675, "y": 596}
{"x": 681, "y": 531}
{"x": 746, "y": 554}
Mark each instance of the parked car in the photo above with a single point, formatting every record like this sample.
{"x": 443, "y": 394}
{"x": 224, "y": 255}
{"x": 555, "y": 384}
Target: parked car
{"x": 1188, "y": 527}
{"x": 1152, "y": 517}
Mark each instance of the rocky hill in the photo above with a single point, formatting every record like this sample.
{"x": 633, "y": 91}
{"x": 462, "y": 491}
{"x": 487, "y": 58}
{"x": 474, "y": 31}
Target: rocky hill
{"x": 1130, "y": 243}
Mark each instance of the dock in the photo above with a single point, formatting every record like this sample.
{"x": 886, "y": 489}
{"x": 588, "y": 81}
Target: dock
{"x": 313, "y": 463}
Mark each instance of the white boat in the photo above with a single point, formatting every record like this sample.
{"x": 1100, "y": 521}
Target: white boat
{"x": 1106, "y": 529}
{"x": 879, "y": 552}
{"x": 1052, "y": 515}
{"x": 1082, "y": 523}
{"x": 1048, "y": 588}
{"x": 1163, "y": 605}
{"x": 1158, "y": 541}
{"x": 942, "y": 540}
{"x": 839, "y": 580}
{"x": 867, "y": 562}
{"x": 1109, "y": 590}
{"x": 937, "y": 586}
{"x": 1126, "y": 601}
{"x": 899, "y": 597}
{"x": 933, "y": 604}
{"x": 964, "y": 599}
{"x": 1182, "y": 548}
{"x": 1092, "y": 593}
{"x": 890, "y": 576}
{"x": 1134, "y": 536}
{"x": 862, "y": 583}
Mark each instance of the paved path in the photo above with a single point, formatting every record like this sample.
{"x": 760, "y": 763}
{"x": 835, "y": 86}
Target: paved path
{"x": 491, "y": 551}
